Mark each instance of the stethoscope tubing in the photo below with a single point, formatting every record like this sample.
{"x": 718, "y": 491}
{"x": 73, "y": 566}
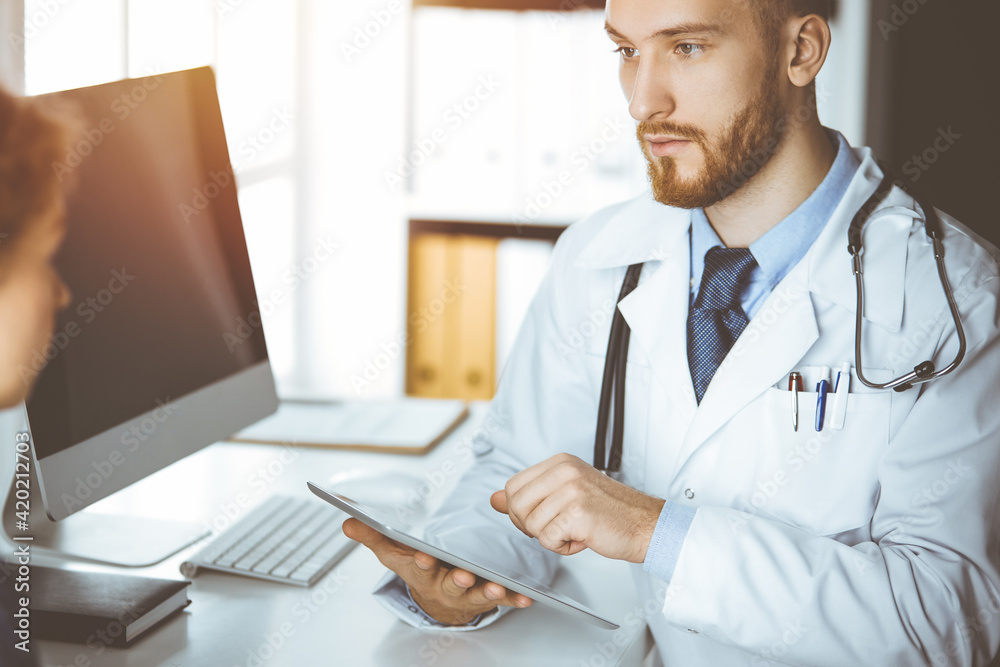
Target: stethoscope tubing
{"x": 616, "y": 360}
{"x": 614, "y": 382}
{"x": 924, "y": 371}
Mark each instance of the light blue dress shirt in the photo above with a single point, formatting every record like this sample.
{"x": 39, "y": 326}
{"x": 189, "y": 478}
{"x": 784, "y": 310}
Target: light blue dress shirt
{"x": 776, "y": 252}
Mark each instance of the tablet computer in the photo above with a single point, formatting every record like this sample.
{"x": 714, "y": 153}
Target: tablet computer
{"x": 477, "y": 564}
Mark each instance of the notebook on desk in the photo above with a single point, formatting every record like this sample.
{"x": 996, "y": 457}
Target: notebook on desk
{"x": 99, "y": 608}
{"x": 395, "y": 426}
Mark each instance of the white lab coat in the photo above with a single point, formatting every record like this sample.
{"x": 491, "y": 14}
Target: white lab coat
{"x": 872, "y": 545}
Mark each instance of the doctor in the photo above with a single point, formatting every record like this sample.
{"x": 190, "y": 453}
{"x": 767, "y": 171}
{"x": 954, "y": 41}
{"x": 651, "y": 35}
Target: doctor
{"x": 870, "y": 543}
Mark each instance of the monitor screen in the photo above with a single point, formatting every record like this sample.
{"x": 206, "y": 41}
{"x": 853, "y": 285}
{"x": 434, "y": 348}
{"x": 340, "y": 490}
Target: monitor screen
{"x": 163, "y": 301}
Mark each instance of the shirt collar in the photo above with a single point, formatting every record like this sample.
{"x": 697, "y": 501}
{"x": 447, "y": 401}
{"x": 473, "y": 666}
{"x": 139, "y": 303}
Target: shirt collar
{"x": 643, "y": 230}
{"x": 785, "y": 244}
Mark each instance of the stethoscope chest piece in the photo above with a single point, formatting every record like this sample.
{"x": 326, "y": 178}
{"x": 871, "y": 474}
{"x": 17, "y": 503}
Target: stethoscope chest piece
{"x": 611, "y": 408}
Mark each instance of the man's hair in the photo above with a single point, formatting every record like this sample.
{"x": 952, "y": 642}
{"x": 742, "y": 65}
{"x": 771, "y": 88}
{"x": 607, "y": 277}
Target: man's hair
{"x": 31, "y": 142}
{"x": 771, "y": 14}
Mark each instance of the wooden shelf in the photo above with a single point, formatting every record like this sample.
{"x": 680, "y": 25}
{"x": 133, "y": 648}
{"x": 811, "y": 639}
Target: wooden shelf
{"x": 497, "y": 230}
{"x": 515, "y": 5}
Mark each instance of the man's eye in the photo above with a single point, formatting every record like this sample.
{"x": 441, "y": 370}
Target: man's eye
{"x": 690, "y": 49}
{"x": 626, "y": 52}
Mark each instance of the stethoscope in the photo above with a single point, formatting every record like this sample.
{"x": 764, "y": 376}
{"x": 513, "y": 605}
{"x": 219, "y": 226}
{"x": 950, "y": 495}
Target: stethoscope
{"x": 613, "y": 383}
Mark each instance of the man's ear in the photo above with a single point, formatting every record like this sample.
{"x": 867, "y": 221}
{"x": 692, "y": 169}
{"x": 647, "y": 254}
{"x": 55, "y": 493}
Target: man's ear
{"x": 811, "y": 35}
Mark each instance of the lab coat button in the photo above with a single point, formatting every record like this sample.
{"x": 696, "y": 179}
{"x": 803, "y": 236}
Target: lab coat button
{"x": 689, "y": 494}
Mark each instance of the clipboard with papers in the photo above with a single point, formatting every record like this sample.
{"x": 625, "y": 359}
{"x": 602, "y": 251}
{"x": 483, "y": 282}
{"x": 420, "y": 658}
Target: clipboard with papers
{"x": 396, "y": 426}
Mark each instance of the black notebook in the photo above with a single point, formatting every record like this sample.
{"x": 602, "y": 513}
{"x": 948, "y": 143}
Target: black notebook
{"x": 88, "y": 607}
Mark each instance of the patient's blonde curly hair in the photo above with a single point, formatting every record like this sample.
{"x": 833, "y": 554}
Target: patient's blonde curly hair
{"x": 32, "y": 140}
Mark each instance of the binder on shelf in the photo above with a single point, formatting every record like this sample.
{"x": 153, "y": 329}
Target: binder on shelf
{"x": 473, "y": 362}
{"x": 427, "y": 282}
{"x": 452, "y": 316}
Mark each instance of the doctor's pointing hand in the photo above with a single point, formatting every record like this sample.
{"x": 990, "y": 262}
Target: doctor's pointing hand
{"x": 570, "y": 506}
{"x": 749, "y": 499}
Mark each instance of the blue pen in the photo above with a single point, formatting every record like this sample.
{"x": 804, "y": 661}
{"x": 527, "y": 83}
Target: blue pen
{"x": 822, "y": 389}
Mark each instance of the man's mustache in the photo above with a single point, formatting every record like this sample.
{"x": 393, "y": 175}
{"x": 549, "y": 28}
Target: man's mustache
{"x": 688, "y": 132}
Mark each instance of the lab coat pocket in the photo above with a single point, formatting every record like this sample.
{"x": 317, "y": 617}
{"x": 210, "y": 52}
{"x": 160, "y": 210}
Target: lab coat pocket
{"x": 825, "y": 481}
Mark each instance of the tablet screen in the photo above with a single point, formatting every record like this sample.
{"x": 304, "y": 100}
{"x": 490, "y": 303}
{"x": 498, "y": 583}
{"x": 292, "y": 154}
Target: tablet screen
{"x": 476, "y": 563}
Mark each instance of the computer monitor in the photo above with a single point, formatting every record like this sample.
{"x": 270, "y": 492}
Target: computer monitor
{"x": 162, "y": 350}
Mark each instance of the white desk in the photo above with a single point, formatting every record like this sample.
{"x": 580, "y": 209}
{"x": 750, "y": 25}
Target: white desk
{"x": 236, "y": 621}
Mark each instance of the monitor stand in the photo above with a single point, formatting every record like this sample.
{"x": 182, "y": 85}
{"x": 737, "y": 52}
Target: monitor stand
{"x": 124, "y": 541}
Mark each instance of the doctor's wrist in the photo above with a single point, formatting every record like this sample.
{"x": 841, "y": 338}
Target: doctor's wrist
{"x": 648, "y": 515}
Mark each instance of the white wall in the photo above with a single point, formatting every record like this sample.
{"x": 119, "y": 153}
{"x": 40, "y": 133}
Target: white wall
{"x": 340, "y": 72}
{"x": 842, "y": 86}
{"x": 12, "y": 49}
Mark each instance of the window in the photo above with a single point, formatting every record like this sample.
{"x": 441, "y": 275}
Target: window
{"x": 301, "y": 122}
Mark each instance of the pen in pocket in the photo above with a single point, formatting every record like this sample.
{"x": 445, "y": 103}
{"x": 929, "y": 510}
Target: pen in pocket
{"x": 841, "y": 389}
{"x": 822, "y": 389}
{"x": 795, "y": 386}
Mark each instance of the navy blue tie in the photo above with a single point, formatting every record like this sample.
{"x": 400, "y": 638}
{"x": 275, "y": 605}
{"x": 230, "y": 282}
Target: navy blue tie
{"x": 717, "y": 319}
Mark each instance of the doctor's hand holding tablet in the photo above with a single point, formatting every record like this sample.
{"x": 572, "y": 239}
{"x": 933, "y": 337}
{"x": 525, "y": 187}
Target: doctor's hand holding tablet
{"x": 450, "y": 595}
{"x": 799, "y": 451}
{"x": 565, "y": 503}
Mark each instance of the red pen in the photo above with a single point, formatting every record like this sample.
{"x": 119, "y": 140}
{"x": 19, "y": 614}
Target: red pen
{"x": 795, "y": 386}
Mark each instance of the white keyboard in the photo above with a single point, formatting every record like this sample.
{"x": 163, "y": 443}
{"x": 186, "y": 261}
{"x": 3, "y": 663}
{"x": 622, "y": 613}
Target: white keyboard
{"x": 286, "y": 539}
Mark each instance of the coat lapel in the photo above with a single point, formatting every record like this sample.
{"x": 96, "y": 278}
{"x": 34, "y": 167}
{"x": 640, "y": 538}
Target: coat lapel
{"x": 775, "y": 340}
{"x": 656, "y": 311}
{"x": 657, "y": 314}
{"x": 786, "y": 327}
